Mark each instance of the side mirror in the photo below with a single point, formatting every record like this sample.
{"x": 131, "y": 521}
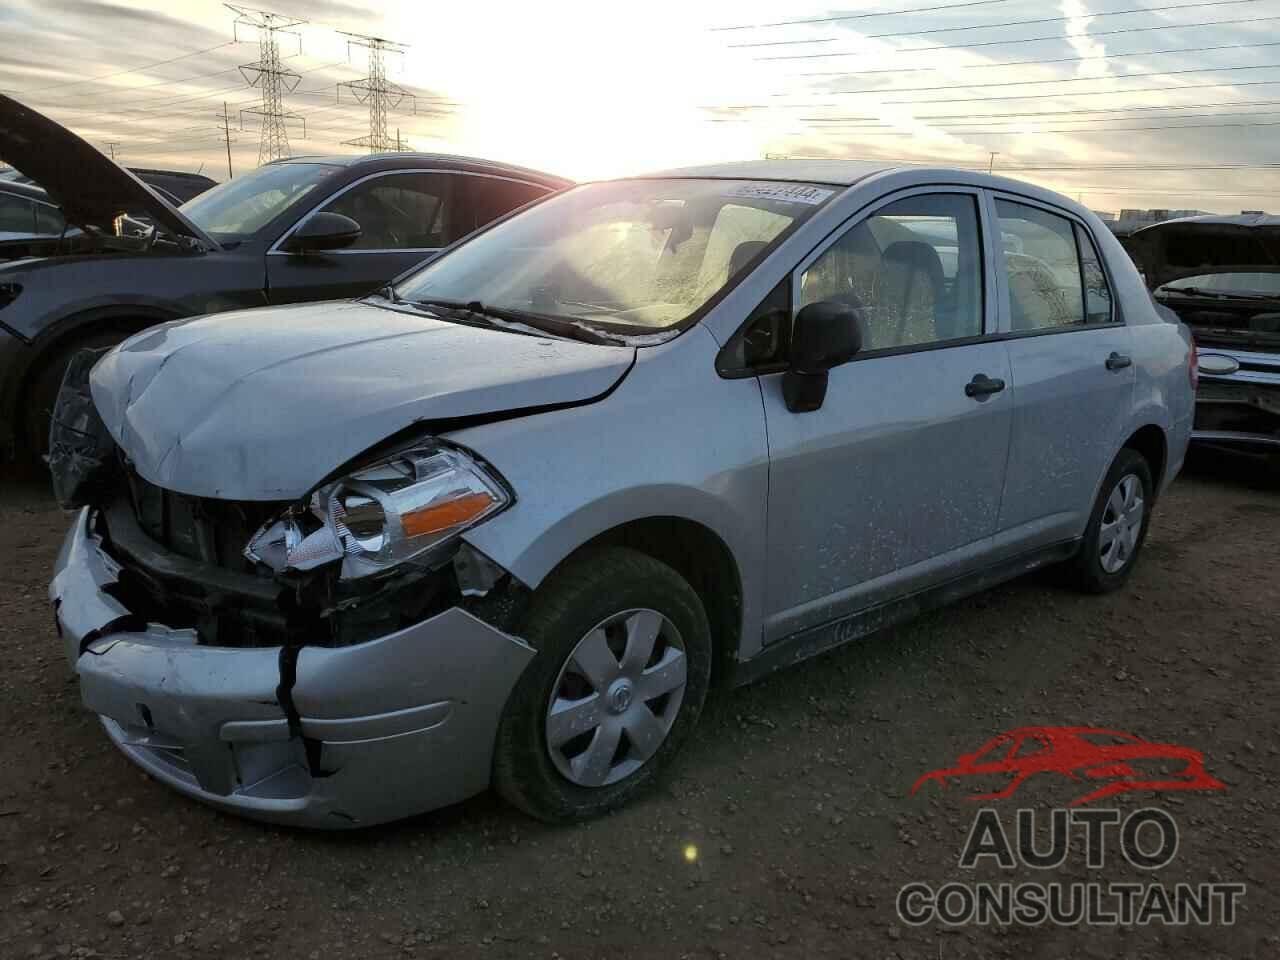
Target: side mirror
{"x": 824, "y": 335}
{"x": 323, "y": 231}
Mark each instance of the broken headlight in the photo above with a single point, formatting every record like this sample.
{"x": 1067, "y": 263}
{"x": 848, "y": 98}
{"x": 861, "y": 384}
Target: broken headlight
{"x": 383, "y": 515}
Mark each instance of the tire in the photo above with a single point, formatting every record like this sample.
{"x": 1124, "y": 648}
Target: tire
{"x": 45, "y": 384}
{"x": 598, "y": 606}
{"x": 1098, "y": 569}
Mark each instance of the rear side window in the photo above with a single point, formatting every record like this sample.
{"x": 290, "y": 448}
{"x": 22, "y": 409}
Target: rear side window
{"x": 913, "y": 270}
{"x": 402, "y": 211}
{"x": 490, "y": 198}
{"x": 1044, "y": 268}
{"x": 1097, "y": 295}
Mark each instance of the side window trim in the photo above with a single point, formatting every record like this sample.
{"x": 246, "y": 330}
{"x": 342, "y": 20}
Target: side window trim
{"x": 456, "y": 192}
{"x": 1002, "y": 275}
{"x": 990, "y": 311}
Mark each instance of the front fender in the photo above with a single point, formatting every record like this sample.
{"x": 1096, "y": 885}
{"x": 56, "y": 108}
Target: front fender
{"x": 673, "y": 440}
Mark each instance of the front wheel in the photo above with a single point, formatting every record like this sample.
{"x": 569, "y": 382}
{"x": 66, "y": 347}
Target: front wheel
{"x": 623, "y": 665}
{"x": 1118, "y": 525}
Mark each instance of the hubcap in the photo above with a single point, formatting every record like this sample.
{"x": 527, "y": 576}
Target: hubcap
{"x": 616, "y": 698}
{"x": 1121, "y": 524}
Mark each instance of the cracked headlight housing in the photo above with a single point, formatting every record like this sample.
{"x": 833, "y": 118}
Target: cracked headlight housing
{"x": 381, "y": 516}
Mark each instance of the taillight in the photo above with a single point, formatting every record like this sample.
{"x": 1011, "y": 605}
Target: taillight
{"x": 1193, "y": 365}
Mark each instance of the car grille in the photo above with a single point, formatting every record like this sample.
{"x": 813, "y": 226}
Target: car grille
{"x": 199, "y": 528}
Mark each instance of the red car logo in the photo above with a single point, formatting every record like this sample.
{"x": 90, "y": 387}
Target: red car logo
{"x": 1084, "y": 755}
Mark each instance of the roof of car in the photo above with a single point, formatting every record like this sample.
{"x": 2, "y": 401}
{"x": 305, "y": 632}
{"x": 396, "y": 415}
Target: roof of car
{"x": 407, "y": 158}
{"x": 839, "y": 172}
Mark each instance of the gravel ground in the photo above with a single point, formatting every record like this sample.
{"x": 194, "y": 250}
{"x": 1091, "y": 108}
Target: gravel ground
{"x": 795, "y": 792}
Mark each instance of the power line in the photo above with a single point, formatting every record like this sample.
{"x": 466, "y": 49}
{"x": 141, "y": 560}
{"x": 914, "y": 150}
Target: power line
{"x": 118, "y": 73}
{"x": 1043, "y": 113}
{"x": 273, "y": 79}
{"x": 1080, "y": 130}
{"x": 1089, "y": 35}
{"x": 1014, "y": 23}
{"x": 858, "y": 16}
{"x": 1028, "y": 83}
{"x": 1028, "y": 63}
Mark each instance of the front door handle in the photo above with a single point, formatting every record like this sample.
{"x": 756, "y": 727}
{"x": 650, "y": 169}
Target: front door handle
{"x": 982, "y": 386}
{"x": 1118, "y": 361}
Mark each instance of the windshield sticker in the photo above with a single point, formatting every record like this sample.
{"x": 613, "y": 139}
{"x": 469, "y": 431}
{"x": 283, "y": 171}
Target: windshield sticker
{"x": 788, "y": 192}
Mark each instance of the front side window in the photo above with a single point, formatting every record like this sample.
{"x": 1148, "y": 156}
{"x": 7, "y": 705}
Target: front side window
{"x": 400, "y": 211}
{"x": 236, "y": 209}
{"x": 912, "y": 270}
{"x": 632, "y": 255}
{"x": 1043, "y": 265}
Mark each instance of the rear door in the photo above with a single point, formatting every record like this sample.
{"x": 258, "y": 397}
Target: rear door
{"x": 895, "y": 482}
{"x": 405, "y": 217}
{"x": 1073, "y": 375}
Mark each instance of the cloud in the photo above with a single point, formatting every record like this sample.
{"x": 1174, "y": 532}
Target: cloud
{"x": 1078, "y": 20}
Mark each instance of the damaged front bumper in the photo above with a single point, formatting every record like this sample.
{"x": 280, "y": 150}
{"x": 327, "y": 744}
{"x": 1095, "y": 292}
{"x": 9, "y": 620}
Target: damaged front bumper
{"x": 311, "y": 736}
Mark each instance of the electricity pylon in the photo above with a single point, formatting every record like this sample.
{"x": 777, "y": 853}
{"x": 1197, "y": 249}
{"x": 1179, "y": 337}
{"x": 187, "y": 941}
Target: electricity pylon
{"x": 271, "y": 78}
{"x": 377, "y": 91}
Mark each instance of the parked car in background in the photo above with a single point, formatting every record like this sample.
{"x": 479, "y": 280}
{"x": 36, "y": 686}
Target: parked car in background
{"x": 503, "y": 521}
{"x": 176, "y": 186}
{"x": 314, "y": 228}
{"x": 1220, "y": 275}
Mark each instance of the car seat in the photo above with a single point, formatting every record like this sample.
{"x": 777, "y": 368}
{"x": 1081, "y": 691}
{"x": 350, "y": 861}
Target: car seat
{"x": 910, "y": 290}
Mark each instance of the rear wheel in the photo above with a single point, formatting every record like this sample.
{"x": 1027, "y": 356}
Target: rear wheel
{"x": 45, "y": 383}
{"x": 1118, "y": 526}
{"x": 623, "y": 665}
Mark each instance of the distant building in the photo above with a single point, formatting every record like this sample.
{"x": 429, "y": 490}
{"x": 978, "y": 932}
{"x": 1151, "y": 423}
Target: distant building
{"x": 1106, "y": 216}
{"x": 1131, "y": 219}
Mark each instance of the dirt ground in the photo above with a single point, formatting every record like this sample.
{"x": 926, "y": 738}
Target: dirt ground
{"x": 794, "y": 793}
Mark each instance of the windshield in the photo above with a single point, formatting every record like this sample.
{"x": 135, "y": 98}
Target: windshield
{"x": 1266, "y": 284}
{"x": 639, "y": 254}
{"x": 238, "y": 208}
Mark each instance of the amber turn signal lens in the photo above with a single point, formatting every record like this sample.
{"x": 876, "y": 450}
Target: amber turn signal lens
{"x": 442, "y": 516}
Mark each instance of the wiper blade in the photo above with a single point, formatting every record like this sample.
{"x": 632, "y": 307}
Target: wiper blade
{"x": 1219, "y": 294}
{"x": 558, "y": 326}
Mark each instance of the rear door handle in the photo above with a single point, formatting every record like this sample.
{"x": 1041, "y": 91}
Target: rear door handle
{"x": 1118, "y": 361}
{"x": 982, "y": 386}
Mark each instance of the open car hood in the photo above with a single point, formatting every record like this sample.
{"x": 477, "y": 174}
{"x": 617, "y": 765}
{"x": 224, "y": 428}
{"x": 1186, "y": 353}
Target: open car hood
{"x": 264, "y": 404}
{"x": 91, "y": 190}
{"x": 1177, "y": 249}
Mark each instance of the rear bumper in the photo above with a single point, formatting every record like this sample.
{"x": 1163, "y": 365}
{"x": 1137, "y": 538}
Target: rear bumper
{"x": 309, "y": 736}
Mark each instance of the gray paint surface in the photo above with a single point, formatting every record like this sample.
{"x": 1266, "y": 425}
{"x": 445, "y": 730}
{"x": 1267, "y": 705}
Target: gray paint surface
{"x": 899, "y": 483}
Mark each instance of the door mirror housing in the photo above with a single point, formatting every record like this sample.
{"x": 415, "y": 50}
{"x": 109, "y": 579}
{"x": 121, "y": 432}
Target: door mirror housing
{"x": 324, "y": 231}
{"x": 824, "y": 335}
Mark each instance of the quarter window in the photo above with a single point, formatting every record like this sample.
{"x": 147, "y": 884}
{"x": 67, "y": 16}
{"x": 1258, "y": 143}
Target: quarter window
{"x": 491, "y": 198}
{"x": 912, "y": 270}
{"x": 1097, "y": 295}
{"x": 1046, "y": 275}
{"x": 400, "y": 211}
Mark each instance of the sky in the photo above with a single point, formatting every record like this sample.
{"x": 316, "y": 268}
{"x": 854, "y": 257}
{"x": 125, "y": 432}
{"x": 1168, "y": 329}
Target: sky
{"x": 1120, "y": 103}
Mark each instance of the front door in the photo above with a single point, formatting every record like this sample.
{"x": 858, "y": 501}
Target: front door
{"x": 895, "y": 482}
{"x": 405, "y": 217}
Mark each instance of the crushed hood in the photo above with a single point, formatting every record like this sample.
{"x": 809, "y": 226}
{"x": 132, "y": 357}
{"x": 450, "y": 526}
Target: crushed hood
{"x": 263, "y": 404}
{"x": 91, "y": 190}
{"x": 1177, "y": 249}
